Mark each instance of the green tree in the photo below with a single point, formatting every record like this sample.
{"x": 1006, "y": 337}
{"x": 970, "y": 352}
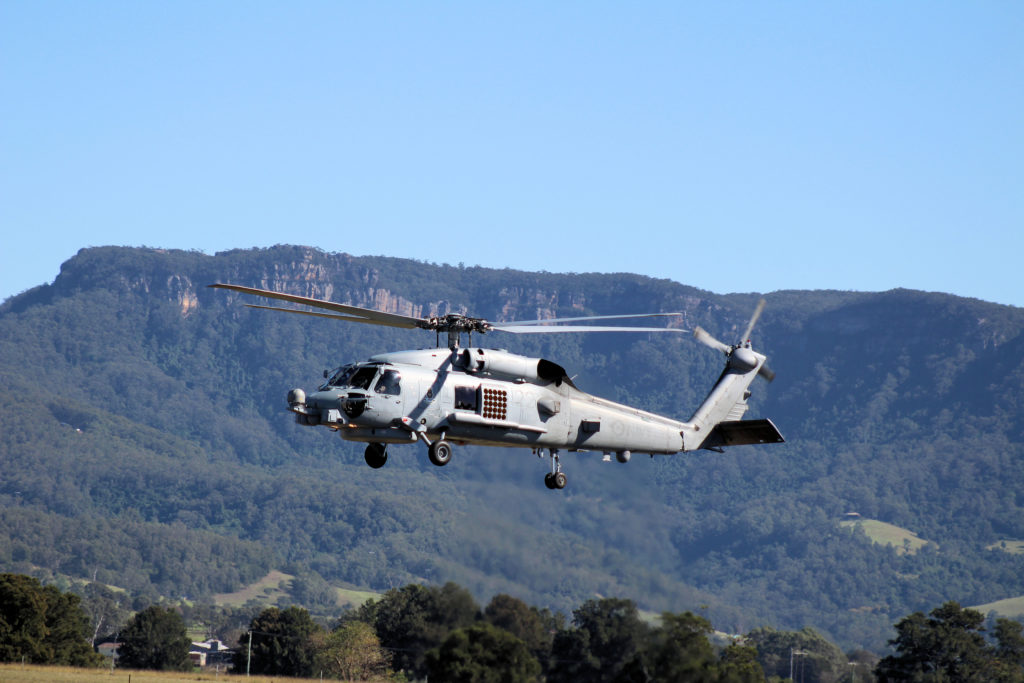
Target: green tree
{"x": 533, "y": 626}
{"x": 22, "y": 619}
{"x": 604, "y": 643}
{"x": 413, "y": 619}
{"x": 155, "y": 639}
{"x": 482, "y": 654}
{"x": 1009, "y": 636}
{"x": 738, "y": 664}
{"x": 68, "y": 627}
{"x": 947, "y": 645}
{"x": 312, "y": 591}
{"x": 679, "y": 650}
{"x": 806, "y": 653}
{"x": 352, "y": 652}
{"x": 42, "y": 624}
{"x": 282, "y": 643}
{"x": 105, "y": 609}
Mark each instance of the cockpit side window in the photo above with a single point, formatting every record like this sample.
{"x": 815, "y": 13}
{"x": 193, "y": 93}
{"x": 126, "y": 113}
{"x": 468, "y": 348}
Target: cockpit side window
{"x": 389, "y": 383}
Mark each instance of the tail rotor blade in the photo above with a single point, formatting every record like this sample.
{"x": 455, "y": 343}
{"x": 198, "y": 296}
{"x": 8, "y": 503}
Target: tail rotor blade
{"x": 702, "y": 335}
{"x": 766, "y": 373}
{"x": 753, "y": 321}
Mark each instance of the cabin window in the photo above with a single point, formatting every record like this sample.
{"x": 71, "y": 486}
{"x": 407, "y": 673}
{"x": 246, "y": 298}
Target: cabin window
{"x": 466, "y": 398}
{"x": 389, "y": 383}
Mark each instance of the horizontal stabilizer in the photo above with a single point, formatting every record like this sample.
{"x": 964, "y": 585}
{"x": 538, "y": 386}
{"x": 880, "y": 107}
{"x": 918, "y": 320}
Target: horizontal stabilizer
{"x": 742, "y": 433}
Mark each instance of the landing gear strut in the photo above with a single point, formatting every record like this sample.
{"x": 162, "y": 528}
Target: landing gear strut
{"x": 376, "y": 455}
{"x": 555, "y": 479}
{"x": 439, "y": 452}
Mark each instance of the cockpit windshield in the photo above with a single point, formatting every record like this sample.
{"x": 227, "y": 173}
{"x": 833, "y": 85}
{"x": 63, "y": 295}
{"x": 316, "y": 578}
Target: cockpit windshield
{"x": 354, "y": 377}
{"x": 340, "y": 377}
{"x": 362, "y": 377}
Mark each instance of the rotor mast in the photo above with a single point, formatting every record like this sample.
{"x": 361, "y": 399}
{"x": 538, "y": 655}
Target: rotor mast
{"x": 454, "y": 324}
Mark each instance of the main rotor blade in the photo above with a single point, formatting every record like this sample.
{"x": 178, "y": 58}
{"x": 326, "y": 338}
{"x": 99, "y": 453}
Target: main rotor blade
{"x": 753, "y": 321}
{"x": 365, "y": 315}
{"x": 554, "y": 329}
{"x": 589, "y": 317}
{"x": 702, "y": 335}
{"x": 333, "y": 316}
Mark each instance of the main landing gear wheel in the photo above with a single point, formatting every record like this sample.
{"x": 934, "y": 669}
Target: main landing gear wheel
{"x": 555, "y": 480}
{"x": 376, "y": 455}
{"x": 440, "y": 452}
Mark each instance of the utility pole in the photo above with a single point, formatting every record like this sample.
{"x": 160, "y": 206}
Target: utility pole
{"x": 248, "y": 657}
{"x": 798, "y": 653}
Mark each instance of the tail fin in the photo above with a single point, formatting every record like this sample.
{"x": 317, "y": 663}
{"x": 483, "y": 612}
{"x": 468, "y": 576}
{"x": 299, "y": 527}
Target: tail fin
{"x": 717, "y": 422}
{"x": 742, "y": 433}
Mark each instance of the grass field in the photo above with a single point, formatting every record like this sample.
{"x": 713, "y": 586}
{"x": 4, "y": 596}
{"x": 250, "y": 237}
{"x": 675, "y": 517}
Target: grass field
{"x": 353, "y": 598}
{"x": 267, "y": 590}
{"x": 883, "y": 533}
{"x": 1010, "y": 607}
{"x": 275, "y": 585}
{"x": 1008, "y": 546}
{"x": 28, "y": 673}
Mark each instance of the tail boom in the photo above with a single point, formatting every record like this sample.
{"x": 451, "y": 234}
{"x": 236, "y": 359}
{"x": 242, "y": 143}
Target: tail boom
{"x": 717, "y": 422}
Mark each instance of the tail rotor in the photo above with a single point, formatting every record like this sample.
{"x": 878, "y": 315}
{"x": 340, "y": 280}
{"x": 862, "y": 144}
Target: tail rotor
{"x": 718, "y": 422}
{"x": 739, "y": 356}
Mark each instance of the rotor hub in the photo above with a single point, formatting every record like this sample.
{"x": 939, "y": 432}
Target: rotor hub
{"x": 455, "y": 322}
{"x": 742, "y": 359}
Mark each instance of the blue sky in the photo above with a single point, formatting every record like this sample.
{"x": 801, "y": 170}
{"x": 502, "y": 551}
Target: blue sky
{"x": 730, "y": 146}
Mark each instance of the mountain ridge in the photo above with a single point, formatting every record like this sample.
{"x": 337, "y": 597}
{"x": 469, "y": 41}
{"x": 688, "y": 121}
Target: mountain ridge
{"x": 130, "y": 346}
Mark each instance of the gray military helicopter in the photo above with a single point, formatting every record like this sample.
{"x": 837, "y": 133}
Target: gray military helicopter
{"x": 471, "y": 395}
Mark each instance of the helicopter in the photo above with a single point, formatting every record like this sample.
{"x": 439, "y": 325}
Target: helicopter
{"x": 457, "y": 395}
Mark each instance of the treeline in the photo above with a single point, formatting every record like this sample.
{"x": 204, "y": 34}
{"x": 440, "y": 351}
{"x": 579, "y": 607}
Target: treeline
{"x": 440, "y": 633}
{"x": 421, "y": 632}
{"x": 414, "y": 632}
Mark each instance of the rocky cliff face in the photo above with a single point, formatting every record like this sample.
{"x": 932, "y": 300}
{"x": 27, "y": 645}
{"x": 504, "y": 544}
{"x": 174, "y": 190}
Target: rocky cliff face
{"x": 181, "y": 277}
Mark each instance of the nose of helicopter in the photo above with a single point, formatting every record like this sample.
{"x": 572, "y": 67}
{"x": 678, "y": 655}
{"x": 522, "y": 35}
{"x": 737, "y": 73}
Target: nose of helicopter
{"x": 296, "y": 397}
{"x": 321, "y": 401}
{"x": 298, "y": 402}
{"x": 323, "y": 407}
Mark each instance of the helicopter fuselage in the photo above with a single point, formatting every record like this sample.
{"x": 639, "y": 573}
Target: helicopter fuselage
{"x": 479, "y": 396}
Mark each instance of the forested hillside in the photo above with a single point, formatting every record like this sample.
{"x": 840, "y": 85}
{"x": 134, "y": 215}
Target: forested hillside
{"x": 144, "y": 443}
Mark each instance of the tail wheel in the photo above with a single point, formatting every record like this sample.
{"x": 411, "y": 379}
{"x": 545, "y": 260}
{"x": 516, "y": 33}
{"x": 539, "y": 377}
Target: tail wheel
{"x": 440, "y": 452}
{"x": 376, "y": 455}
